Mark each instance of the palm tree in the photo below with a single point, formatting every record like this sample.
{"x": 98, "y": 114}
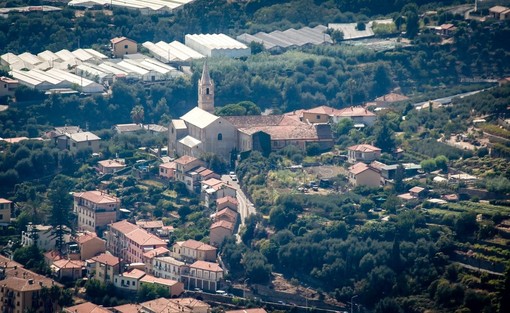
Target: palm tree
{"x": 137, "y": 114}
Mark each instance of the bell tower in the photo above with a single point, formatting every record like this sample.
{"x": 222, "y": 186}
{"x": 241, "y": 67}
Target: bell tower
{"x": 206, "y": 91}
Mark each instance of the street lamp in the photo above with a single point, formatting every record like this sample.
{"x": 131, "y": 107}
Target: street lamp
{"x": 244, "y": 288}
{"x": 352, "y": 302}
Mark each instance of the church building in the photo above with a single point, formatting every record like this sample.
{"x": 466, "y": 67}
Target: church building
{"x": 199, "y": 131}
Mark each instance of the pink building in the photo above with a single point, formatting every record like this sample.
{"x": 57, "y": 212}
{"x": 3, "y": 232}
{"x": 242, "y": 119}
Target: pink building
{"x": 130, "y": 242}
{"x": 167, "y": 170}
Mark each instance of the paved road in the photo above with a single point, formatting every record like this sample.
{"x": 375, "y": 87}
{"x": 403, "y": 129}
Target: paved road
{"x": 246, "y": 208}
{"x": 447, "y": 100}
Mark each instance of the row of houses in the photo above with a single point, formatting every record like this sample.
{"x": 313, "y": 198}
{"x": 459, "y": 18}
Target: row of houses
{"x": 146, "y": 7}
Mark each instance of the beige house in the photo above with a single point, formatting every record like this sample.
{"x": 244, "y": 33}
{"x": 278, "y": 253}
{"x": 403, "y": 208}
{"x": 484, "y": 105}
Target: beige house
{"x": 214, "y": 189}
{"x": 363, "y": 153}
{"x": 110, "y": 166}
{"x": 95, "y": 209}
{"x": 175, "y": 288}
{"x": 129, "y": 242}
{"x": 499, "y": 12}
{"x": 67, "y": 269}
{"x": 361, "y": 174}
{"x": 122, "y": 46}
{"x": 128, "y": 281}
{"x": 5, "y": 211}
{"x": 149, "y": 256}
{"x": 78, "y": 141}
{"x": 203, "y": 275}
{"x": 8, "y": 86}
{"x": 192, "y": 250}
{"x": 219, "y": 231}
{"x": 89, "y": 245}
{"x": 168, "y": 267}
{"x": 103, "y": 267}
{"x": 20, "y": 289}
{"x": 167, "y": 170}
{"x": 226, "y": 202}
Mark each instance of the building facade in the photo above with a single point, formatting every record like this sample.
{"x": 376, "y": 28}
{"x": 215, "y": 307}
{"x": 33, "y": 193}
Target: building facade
{"x": 95, "y": 209}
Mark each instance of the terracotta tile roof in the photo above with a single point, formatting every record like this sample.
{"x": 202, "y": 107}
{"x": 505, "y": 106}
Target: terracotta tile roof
{"x": 4, "y": 201}
{"x": 189, "y": 303}
{"x": 323, "y": 109}
{"x": 197, "y": 245}
{"x": 169, "y": 165}
{"x": 155, "y": 280}
{"x": 358, "y": 168}
{"x": 119, "y": 39}
{"x": 377, "y": 165}
{"x": 84, "y": 237}
{"x": 25, "y": 284}
{"x": 128, "y": 308}
{"x": 64, "y": 263}
{"x": 406, "y": 196}
{"x": 285, "y": 132}
{"x": 212, "y": 182}
{"x": 143, "y": 238}
{"x": 207, "y": 266}
{"x": 105, "y": 258}
{"x": 150, "y": 224}
{"x": 162, "y": 305}
{"x": 171, "y": 260}
{"x": 416, "y": 189}
{"x": 228, "y": 213}
{"x": 21, "y": 276}
{"x": 97, "y": 197}
{"x": 52, "y": 256}
{"x": 354, "y": 111}
{"x": 156, "y": 252}
{"x": 87, "y": 307}
{"x": 185, "y": 159}
{"x": 498, "y": 9}
{"x": 392, "y": 97}
{"x": 227, "y": 199}
{"x": 223, "y": 224}
{"x": 134, "y": 273}
{"x": 123, "y": 226}
{"x": 111, "y": 164}
{"x": 254, "y": 120}
{"x": 364, "y": 148}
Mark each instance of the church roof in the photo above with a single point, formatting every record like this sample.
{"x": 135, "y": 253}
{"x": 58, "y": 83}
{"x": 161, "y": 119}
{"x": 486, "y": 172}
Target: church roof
{"x": 206, "y": 78}
{"x": 199, "y": 118}
{"x": 190, "y": 142}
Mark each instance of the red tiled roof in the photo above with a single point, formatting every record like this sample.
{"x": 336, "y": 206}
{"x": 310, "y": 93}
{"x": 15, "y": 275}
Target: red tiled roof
{"x": 87, "y": 307}
{"x": 111, "y": 163}
{"x": 223, "y": 224}
{"x": 227, "y": 212}
{"x": 123, "y": 226}
{"x": 143, "y": 238}
{"x": 4, "y": 201}
{"x": 197, "y": 245}
{"x": 207, "y": 266}
{"x": 63, "y": 263}
{"x": 84, "y": 237}
{"x": 155, "y": 280}
{"x": 185, "y": 159}
{"x": 128, "y": 308}
{"x": 107, "y": 259}
{"x": 169, "y": 165}
{"x": 119, "y": 39}
{"x": 358, "y": 168}
{"x": 156, "y": 252}
{"x": 227, "y": 199}
{"x": 416, "y": 189}
{"x": 150, "y": 224}
{"x": 97, "y": 196}
{"x": 392, "y": 97}
{"x": 134, "y": 273}
{"x": 364, "y": 148}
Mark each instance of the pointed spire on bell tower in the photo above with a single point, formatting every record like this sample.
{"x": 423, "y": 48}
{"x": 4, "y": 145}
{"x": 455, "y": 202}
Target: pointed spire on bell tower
{"x": 206, "y": 90}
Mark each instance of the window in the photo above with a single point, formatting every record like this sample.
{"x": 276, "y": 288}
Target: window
{"x": 220, "y": 136}
{"x": 318, "y": 117}
{"x": 1, "y": 216}
{"x": 206, "y": 91}
{"x": 90, "y": 143}
{"x": 125, "y": 46}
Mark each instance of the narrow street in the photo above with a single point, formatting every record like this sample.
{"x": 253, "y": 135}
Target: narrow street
{"x": 246, "y": 208}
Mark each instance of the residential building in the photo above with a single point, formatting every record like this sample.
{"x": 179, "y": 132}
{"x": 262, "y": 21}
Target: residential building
{"x": 499, "y": 12}
{"x": 361, "y": 174}
{"x": 5, "y": 211}
{"x": 227, "y": 215}
{"x": 226, "y": 202}
{"x": 128, "y": 281}
{"x": 183, "y": 166}
{"x": 127, "y": 128}
{"x": 95, "y": 209}
{"x": 167, "y": 170}
{"x": 325, "y": 114}
{"x": 175, "y": 288}
{"x": 203, "y": 275}
{"x": 219, "y": 231}
{"x": 149, "y": 256}
{"x": 122, "y": 46}
{"x": 66, "y": 269}
{"x": 390, "y": 98}
{"x": 74, "y": 141}
{"x": 214, "y": 189}
{"x": 417, "y": 191}
{"x": 168, "y": 267}
{"x": 192, "y": 250}
{"x": 151, "y": 226}
{"x": 129, "y": 242}
{"x": 364, "y": 153}
{"x": 388, "y": 171}
{"x": 42, "y": 236}
{"x": 20, "y": 289}
{"x": 87, "y": 307}
{"x": 110, "y": 166}
{"x": 446, "y": 30}
{"x": 103, "y": 267}
{"x": 8, "y": 86}
{"x": 88, "y": 245}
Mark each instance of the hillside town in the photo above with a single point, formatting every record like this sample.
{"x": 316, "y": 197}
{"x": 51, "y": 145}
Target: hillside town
{"x": 253, "y": 157}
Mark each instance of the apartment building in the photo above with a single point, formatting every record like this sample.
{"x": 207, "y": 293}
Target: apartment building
{"x": 168, "y": 267}
{"x": 129, "y": 242}
{"x": 95, "y": 209}
{"x": 5, "y": 212}
{"x": 203, "y": 275}
{"x": 103, "y": 267}
{"x": 192, "y": 250}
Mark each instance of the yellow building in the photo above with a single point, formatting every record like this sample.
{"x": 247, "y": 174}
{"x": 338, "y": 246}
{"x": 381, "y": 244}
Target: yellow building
{"x": 122, "y": 46}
